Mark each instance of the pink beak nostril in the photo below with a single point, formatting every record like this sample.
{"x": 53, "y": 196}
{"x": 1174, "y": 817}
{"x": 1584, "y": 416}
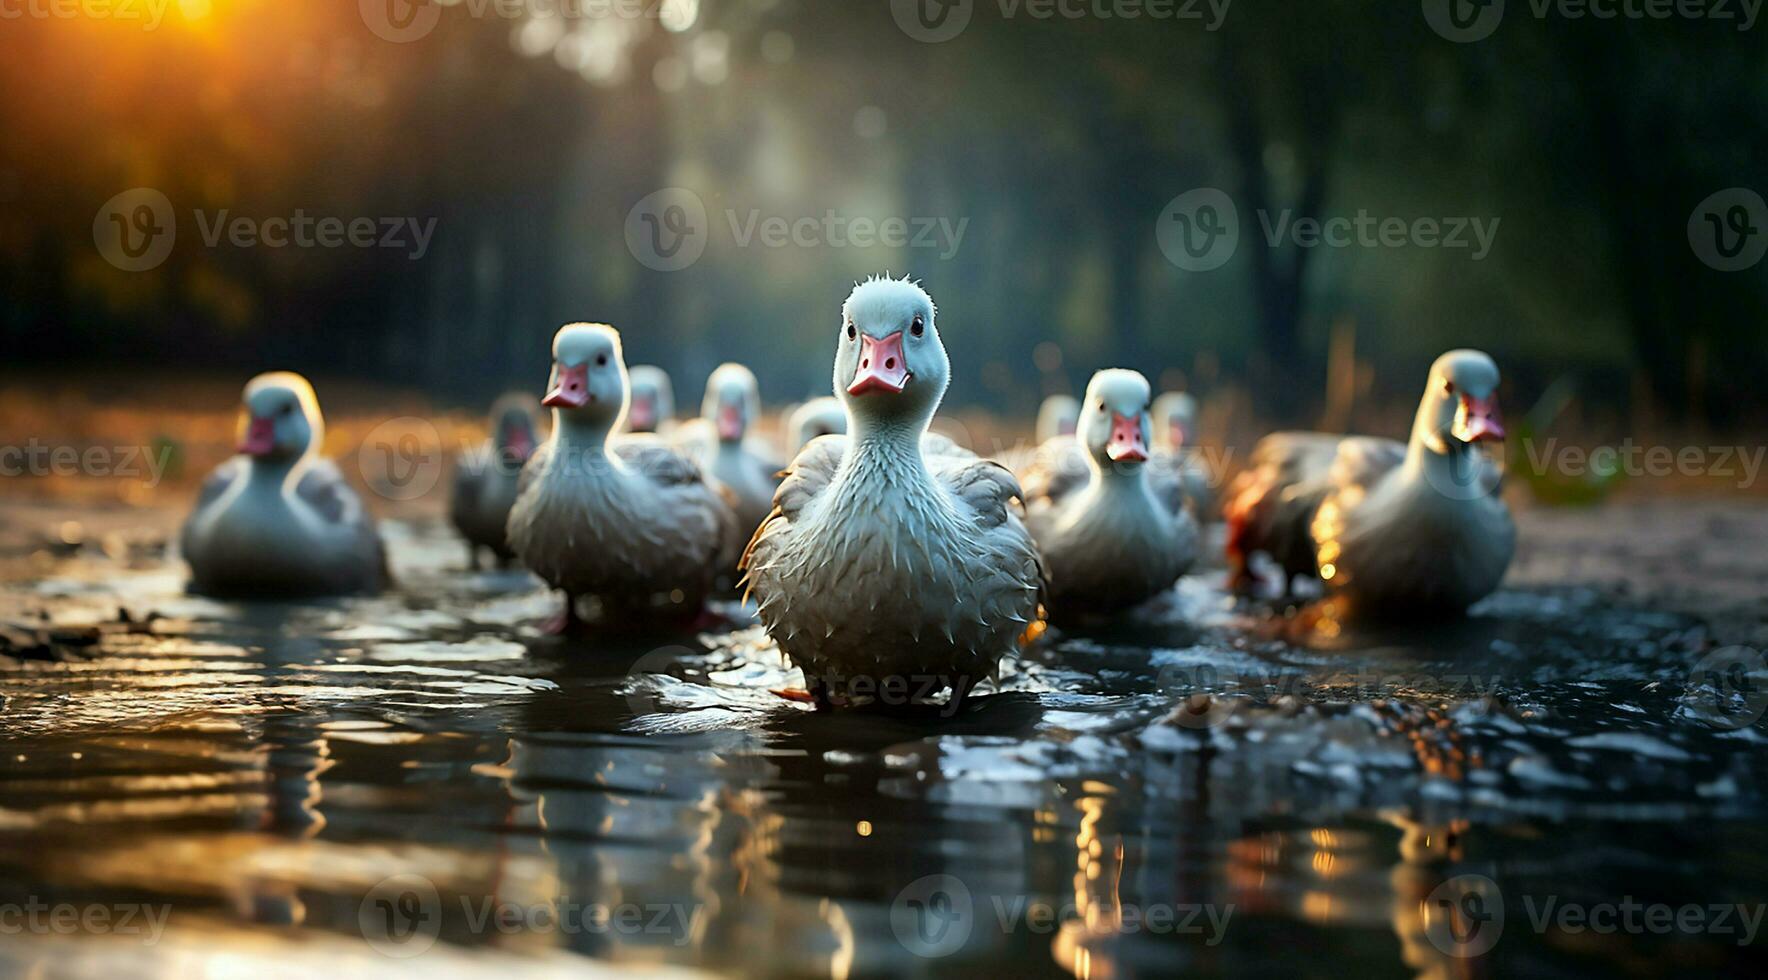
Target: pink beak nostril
{"x": 890, "y": 374}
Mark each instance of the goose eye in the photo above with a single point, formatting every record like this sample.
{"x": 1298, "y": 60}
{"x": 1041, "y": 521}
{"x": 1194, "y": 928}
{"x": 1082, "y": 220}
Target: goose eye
{"x": 850, "y": 331}
{"x": 1448, "y": 387}
{"x": 286, "y": 410}
{"x": 601, "y": 360}
{"x": 1101, "y": 406}
{"x": 917, "y": 327}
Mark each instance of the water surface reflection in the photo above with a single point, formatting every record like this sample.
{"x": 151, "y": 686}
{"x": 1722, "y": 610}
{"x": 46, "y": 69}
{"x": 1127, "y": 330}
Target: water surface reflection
{"x": 1205, "y": 789}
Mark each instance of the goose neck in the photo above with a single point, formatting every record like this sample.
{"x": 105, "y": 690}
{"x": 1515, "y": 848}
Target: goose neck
{"x": 270, "y": 475}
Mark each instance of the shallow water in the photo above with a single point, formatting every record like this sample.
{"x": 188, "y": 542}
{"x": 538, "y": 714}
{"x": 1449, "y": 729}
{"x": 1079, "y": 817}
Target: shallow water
{"x": 421, "y": 782}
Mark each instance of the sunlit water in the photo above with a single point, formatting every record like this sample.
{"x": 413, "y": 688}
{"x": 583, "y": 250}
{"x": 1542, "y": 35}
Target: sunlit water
{"x": 335, "y": 785}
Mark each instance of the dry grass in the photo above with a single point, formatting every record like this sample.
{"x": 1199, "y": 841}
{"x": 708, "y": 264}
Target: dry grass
{"x": 195, "y": 421}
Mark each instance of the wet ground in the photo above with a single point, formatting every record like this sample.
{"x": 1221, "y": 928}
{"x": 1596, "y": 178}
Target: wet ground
{"x": 421, "y": 782}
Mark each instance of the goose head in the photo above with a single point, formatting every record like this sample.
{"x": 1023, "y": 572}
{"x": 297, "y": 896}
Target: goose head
{"x": 732, "y": 401}
{"x": 1114, "y": 422}
{"x": 1057, "y": 416}
{"x": 1460, "y": 405}
{"x": 1175, "y": 420}
{"x": 818, "y": 417}
{"x": 515, "y": 427}
{"x": 653, "y": 398}
{"x": 588, "y": 385}
{"x": 280, "y": 421}
{"x": 890, "y": 368}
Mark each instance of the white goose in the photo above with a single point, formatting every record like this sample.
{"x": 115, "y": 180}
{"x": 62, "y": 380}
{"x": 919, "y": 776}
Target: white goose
{"x": 278, "y": 519}
{"x": 485, "y": 481}
{"x": 653, "y": 400}
{"x": 1117, "y": 532}
{"x": 823, "y": 416}
{"x": 1057, "y": 416}
{"x": 729, "y": 410}
{"x": 887, "y": 556}
{"x": 632, "y": 522}
{"x": 1392, "y": 528}
{"x": 1175, "y": 444}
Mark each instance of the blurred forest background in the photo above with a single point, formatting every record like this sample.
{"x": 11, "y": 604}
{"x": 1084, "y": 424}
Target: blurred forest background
{"x": 1058, "y": 141}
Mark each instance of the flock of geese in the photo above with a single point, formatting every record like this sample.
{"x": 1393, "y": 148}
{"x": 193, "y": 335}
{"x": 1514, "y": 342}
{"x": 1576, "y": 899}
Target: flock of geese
{"x": 882, "y": 553}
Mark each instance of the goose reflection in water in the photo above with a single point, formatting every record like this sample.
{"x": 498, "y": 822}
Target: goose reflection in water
{"x": 668, "y": 844}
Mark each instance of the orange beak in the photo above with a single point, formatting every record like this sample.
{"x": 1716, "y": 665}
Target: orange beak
{"x": 881, "y": 366}
{"x": 1127, "y": 444}
{"x": 1478, "y": 420}
{"x": 259, "y": 438}
{"x": 570, "y": 387}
